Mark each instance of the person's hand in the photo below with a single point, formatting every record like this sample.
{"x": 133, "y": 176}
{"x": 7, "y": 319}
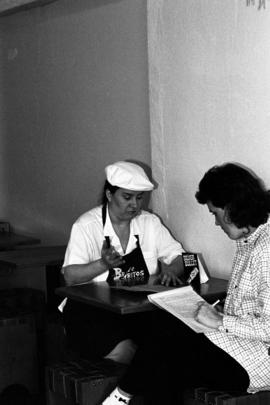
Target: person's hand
{"x": 110, "y": 257}
{"x": 208, "y": 315}
{"x": 169, "y": 278}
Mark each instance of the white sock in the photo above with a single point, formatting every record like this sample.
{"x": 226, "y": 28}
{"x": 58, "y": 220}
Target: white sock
{"x": 117, "y": 398}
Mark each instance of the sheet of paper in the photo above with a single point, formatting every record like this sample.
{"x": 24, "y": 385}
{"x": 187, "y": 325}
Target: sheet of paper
{"x": 181, "y": 302}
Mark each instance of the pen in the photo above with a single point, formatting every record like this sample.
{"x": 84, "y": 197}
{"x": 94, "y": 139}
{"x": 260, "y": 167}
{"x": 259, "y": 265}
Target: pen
{"x": 215, "y": 303}
{"x": 108, "y": 242}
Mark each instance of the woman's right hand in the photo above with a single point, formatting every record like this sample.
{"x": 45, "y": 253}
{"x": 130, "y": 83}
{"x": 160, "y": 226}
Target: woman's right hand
{"x": 207, "y": 315}
{"x": 110, "y": 257}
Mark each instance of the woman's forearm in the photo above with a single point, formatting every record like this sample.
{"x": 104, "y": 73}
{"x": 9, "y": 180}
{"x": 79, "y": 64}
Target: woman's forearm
{"x": 83, "y": 273}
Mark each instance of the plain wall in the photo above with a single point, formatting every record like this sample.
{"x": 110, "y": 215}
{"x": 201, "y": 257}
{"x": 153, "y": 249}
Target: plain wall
{"x": 2, "y": 130}
{"x": 74, "y": 98}
{"x": 209, "y": 64}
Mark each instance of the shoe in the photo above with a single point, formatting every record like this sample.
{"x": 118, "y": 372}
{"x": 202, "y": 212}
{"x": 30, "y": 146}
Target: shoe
{"x": 115, "y": 398}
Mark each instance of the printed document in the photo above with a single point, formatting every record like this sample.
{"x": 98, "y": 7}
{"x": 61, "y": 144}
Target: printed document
{"x": 181, "y": 302}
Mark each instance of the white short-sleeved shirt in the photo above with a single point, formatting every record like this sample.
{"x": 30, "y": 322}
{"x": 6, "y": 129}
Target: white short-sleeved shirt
{"x": 87, "y": 236}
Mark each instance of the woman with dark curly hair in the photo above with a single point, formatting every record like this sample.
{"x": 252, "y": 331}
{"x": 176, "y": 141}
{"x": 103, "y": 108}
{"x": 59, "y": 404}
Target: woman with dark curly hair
{"x": 237, "y": 191}
{"x": 241, "y": 205}
{"x": 235, "y": 353}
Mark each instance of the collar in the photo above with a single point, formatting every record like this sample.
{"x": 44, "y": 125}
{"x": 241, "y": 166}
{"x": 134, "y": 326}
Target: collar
{"x": 108, "y": 228}
{"x": 252, "y": 239}
{"x": 109, "y": 231}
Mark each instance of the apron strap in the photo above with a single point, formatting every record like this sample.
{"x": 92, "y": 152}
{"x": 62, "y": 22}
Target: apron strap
{"x": 138, "y": 240}
{"x": 104, "y": 212}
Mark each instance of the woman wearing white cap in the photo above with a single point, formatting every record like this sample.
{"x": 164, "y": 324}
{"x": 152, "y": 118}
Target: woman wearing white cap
{"x": 118, "y": 242}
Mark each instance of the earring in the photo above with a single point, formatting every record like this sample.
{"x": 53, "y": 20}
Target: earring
{"x": 246, "y": 232}
{"x": 108, "y": 195}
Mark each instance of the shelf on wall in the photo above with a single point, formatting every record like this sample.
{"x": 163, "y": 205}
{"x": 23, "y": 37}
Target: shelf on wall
{"x": 12, "y": 6}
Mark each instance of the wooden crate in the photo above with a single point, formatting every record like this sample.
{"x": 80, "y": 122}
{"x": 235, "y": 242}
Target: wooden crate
{"x": 81, "y": 382}
{"x": 18, "y": 352}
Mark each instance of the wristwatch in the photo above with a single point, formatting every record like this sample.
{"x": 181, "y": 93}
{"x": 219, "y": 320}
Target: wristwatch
{"x": 222, "y": 329}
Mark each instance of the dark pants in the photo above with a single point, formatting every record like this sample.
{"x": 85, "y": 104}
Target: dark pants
{"x": 93, "y": 332}
{"x": 177, "y": 359}
{"x": 170, "y": 356}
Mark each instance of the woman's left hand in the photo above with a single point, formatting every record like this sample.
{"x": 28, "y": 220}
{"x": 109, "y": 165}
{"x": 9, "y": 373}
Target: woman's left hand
{"x": 169, "y": 278}
{"x": 207, "y": 315}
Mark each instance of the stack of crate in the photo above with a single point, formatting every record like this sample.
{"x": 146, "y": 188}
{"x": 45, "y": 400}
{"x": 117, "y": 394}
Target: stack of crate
{"x": 206, "y": 396}
{"x": 81, "y": 381}
{"x": 21, "y": 316}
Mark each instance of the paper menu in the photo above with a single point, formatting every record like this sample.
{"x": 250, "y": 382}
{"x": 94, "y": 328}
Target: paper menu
{"x": 181, "y": 302}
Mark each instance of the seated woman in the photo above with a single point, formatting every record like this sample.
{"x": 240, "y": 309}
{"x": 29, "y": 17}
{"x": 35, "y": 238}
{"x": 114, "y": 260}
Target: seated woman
{"x": 121, "y": 243}
{"x": 235, "y": 354}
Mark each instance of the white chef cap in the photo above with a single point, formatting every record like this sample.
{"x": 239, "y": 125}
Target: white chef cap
{"x": 129, "y": 176}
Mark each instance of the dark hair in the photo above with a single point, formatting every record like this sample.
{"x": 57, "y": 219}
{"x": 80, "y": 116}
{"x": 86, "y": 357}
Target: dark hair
{"x": 237, "y": 189}
{"x": 107, "y": 186}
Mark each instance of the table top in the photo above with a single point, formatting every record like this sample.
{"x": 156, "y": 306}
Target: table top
{"x": 101, "y": 295}
{"x": 9, "y": 240}
{"x": 34, "y": 256}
